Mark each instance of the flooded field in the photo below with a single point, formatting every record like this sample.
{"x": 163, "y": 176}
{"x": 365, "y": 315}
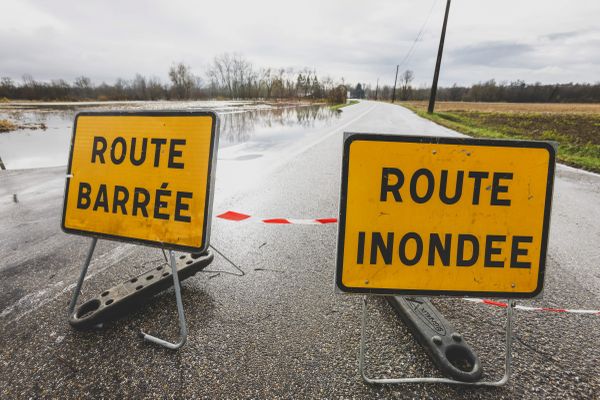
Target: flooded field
{"x": 250, "y": 129}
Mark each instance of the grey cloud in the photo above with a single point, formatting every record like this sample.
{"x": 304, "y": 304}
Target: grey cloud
{"x": 495, "y": 54}
{"x": 565, "y": 35}
{"x": 338, "y": 38}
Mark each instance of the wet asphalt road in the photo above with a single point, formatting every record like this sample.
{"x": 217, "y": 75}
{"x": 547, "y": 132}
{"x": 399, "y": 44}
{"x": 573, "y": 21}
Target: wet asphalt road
{"x": 279, "y": 331}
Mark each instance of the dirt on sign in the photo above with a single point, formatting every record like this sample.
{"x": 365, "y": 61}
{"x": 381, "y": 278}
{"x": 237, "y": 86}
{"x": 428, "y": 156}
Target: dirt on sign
{"x": 426, "y": 215}
{"x": 143, "y": 177}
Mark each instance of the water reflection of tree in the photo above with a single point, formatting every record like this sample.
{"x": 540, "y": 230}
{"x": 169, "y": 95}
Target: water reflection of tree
{"x": 236, "y": 127}
{"x": 240, "y": 127}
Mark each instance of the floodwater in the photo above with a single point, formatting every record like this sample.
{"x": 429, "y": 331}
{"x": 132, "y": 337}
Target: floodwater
{"x": 249, "y": 130}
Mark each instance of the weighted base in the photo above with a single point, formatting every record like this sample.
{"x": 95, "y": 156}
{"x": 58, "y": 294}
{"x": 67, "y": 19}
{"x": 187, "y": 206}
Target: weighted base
{"x": 124, "y": 297}
{"x": 446, "y": 347}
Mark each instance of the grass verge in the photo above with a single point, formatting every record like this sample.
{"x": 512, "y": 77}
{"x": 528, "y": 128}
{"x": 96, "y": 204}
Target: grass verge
{"x": 338, "y": 106}
{"x": 578, "y": 134}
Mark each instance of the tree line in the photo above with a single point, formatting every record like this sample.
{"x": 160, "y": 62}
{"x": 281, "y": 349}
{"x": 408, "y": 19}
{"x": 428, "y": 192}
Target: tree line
{"x": 490, "y": 91}
{"x": 520, "y": 92}
{"x": 231, "y": 76}
{"x": 228, "y": 76}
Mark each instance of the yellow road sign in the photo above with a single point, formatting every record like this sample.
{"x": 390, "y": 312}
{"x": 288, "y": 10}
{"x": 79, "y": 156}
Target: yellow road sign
{"x": 145, "y": 177}
{"x": 444, "y": 216}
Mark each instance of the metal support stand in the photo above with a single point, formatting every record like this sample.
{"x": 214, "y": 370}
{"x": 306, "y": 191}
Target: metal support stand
{"x": 182, "y": 325}
{"x": 84, "y": 269}
{"x": 507, "y": 364}
{"x": 145, "y": 336}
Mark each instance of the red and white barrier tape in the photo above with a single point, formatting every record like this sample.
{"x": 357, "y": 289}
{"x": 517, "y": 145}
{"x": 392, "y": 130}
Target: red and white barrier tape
{"x": 527, "y": 308}
{"x": 237, "y": 217}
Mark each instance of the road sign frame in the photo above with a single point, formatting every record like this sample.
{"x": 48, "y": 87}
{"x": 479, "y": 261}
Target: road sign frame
{"x": 210, "y": 182}
{"x": 350, "y": 137}
{"x": 508, "y": 339}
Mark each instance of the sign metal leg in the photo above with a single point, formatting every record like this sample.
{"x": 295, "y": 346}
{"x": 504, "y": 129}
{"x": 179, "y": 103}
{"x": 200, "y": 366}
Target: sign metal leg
{"x": 182, "y": 324}
{"x": 507, "y": 362}
{"x": 82, "y": 276}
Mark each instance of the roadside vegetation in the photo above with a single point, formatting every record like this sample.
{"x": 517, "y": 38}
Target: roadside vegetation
{"x": 336, "y": 107}
{"x": 7, "y": 126}
{"x": 576, "y": 127}
{"x": 489, "y": 91}
{"x": 227, "y": 77}
{"x": 231, "y": 76}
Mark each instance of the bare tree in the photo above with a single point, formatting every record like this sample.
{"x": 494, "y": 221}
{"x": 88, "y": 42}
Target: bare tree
{"x": 235, "y": 77}
{"x": 155, "y": 89}
{"x": 8, "y": 89}
{"x": 405, "y": 80}
{"x": 139, "y": 87}
{"x": 266, "y": 81}
{"x": 220, "y": 74}
{"x": 183, "y": 80}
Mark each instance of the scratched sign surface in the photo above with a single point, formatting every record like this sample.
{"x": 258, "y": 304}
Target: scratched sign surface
{"x": 144, "y": 177}
{"x": 441, "y": 216}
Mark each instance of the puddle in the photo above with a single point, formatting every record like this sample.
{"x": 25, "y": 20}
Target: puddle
{"x": 260, "y": 127}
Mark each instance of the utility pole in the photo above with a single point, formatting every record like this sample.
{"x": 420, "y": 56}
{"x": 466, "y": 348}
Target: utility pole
{"x": 396, "y": 80}
{"x": 377, "y": 89}
{"x": 436, "y": 74}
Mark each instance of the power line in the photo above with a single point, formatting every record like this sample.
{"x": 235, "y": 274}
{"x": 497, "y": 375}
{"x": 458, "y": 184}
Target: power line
{"x": 419, "y": 35}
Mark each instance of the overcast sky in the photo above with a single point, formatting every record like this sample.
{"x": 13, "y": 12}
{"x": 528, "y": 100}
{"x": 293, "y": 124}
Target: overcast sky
{"x": 533, "y": 40}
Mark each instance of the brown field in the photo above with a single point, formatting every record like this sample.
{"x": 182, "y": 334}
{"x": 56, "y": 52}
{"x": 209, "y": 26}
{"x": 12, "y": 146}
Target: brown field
{"x": 593, "y": 108}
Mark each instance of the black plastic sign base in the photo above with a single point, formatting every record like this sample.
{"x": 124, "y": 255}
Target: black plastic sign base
{"x": 446, "y": 347}
{"x": 124, "y": 297}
